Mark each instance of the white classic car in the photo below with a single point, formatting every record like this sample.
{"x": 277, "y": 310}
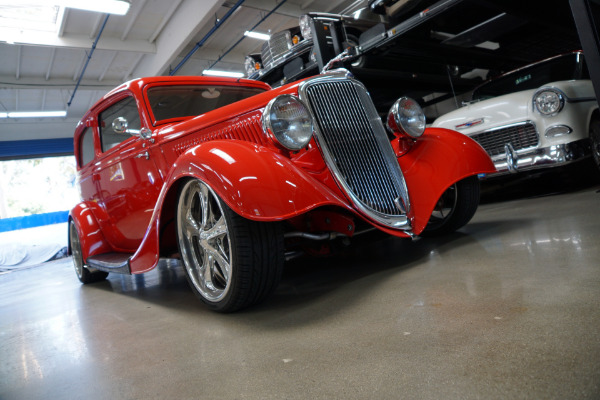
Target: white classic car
{"x": 542, "y": 115}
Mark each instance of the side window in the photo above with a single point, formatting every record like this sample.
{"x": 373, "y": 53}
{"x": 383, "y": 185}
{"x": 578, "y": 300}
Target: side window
{"x": 126, "y": 109}
{"x": 86, "y": 146}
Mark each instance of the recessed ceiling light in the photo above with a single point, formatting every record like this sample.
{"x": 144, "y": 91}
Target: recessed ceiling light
{"x": 33, "y": 114}
{"x": 257, "y": 35}
{"x": 214, "y": 72}
{"x": 119, "y": 7}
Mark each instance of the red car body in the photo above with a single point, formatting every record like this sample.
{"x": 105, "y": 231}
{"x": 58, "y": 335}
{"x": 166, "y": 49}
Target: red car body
{"x": 127, "y": 218}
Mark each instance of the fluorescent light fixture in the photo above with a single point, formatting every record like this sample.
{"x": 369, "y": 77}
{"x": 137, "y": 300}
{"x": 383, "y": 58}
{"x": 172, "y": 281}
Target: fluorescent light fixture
{"x": 33, "y": 114}
{"x": 119, "y": 7}
{"x": 257, "y": 35}
{"x": 229, "y": 74}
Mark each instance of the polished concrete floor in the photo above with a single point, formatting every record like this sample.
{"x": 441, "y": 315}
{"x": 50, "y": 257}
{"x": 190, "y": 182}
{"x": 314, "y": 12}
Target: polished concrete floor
{"x": 507, "y": 308}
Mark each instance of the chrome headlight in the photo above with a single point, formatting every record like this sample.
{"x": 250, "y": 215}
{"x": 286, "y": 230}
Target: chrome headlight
{"x": 251, "y": 65}
{"x": 286, "y": 120}
{"x": 406, "y": 116}
{"x": 549, "y": 101}
{"x": 305, "y": 26}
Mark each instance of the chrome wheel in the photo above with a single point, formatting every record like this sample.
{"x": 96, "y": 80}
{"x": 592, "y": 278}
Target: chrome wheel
{"x": 204, "y": 241}
{"x": 444, "y": 207}
{"x": 84, "y": 274}
{"x": 455, "y": 208}
{"x": 76, "y": 250}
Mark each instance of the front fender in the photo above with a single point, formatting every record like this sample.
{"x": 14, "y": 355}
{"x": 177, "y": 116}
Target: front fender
{"x": 254, "y": 181}
{"x": 438, "y": 159}
{"x": 90, "y": 235}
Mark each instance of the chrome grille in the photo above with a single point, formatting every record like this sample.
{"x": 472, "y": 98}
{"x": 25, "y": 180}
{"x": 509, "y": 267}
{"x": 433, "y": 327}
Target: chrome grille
{"x": 275, "y": 47}
{"x": 520, "y": 136}
{"x": 357, "y": 149}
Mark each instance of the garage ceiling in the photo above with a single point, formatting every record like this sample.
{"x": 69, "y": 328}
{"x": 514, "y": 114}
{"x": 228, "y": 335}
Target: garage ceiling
{"x": 40, "y": 72}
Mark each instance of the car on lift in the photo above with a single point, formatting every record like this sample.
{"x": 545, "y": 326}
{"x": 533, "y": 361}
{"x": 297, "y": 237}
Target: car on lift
{"x": 231, "y": 177}
{"x": 299, "y": 52}
{"x": 542, "y": 115}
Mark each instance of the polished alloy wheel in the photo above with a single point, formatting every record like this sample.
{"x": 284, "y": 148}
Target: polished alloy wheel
{"x": 76, "y": 250}
{"x": 204, "y": 240}
{"x": 445, "y": 206}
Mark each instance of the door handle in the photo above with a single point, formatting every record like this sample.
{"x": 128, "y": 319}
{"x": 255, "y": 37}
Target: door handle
{"x": 145, "y": 155}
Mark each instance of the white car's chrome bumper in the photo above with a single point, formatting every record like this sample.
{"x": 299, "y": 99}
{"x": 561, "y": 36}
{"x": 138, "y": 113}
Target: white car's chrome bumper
{"x": 540, "y": 157}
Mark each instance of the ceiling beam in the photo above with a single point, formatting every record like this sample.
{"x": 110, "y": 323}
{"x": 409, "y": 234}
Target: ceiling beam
{"x": 10, "y": 82}
{"x": 185, "y": 23}
{"x": 133, "y": 17}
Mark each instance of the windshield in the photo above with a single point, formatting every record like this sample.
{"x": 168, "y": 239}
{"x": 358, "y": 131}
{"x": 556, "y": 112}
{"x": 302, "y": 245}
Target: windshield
{"x": 562, "y": 68}
{"x": 169, "y": 102}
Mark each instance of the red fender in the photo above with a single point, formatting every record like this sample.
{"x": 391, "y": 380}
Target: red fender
{"x": 90, "y": 236}
{"x": 438, "y": 159}
{"x": 254, "y": 181}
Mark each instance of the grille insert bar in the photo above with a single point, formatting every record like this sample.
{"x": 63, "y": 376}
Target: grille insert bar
{"x": 520, "y": 136}
{"x": 357, "y": 150}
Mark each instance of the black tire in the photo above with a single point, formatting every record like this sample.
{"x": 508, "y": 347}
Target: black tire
{"x": 84, "y": 273}
{"x": 230, "y": 262}
{"x": 455, "y": 208}
{"x": 595, "y": 140}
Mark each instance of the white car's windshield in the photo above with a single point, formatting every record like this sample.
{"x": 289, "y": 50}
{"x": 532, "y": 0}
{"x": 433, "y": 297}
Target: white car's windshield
{"x": 562, "y": 68}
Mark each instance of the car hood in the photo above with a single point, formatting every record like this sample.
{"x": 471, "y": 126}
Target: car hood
{"x": 487, "y": 114}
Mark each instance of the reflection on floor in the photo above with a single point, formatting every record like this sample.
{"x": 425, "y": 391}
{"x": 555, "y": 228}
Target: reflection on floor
{"x": 506, "y": 308}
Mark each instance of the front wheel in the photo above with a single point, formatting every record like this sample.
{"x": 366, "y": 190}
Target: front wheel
{"x": 84, "y": 274}
{"x": 230, "y": 262}
{"x": 455, "y": 208}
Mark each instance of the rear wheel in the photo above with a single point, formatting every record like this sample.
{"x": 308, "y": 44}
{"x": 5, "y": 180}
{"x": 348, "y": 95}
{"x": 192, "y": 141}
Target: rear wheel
{"x": 455, "y": 208}
{"x": 230, "y": 262}
{"x": 84, "y": 273}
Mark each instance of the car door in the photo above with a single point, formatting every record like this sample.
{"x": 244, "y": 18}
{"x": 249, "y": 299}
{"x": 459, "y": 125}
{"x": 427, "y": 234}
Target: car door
{"x": 127, "y": 176}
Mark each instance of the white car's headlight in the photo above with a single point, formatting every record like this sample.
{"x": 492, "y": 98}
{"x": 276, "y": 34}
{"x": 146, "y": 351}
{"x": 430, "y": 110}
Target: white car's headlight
{"x": 549, "y": 101}
{"x": 406, "y": 116}
{"x": 287, "y": 120}
{"x": 251, "y": 65}
{"x": 305, "y": 26}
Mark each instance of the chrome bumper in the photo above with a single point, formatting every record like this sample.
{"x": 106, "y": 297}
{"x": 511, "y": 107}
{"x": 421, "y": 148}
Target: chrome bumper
{"x": 542, "y": 157}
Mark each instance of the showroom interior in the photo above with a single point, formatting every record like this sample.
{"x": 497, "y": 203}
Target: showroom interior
{"x": 503, "y": 304}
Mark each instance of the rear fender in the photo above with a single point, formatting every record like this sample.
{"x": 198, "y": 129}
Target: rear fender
{"x": 437, "y": 160}
{"x": 254, "y": 181}
{"x": 90, "y": 236}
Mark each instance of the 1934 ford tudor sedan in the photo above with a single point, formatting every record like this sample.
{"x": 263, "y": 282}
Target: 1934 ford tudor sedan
{"x": 233, "y": 177}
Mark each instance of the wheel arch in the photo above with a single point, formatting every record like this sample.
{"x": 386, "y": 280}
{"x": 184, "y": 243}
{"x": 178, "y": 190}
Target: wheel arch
{"x": 91, "y": 239}
{"x": 255, "y": 182}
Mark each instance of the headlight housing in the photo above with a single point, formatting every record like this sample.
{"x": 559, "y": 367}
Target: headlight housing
{"x": 549, "y": 101}
{"x": 406, "y": 117}
{"x": 305, "y": 26}
{"x": 251, "y": 65}
{"x": 288, "y": 122}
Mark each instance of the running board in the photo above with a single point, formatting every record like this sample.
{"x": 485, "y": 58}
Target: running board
{"x": 111, "y": 262}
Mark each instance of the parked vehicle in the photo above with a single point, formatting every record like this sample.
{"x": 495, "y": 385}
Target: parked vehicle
{"x": 296, "y": 53}
{"x": 542, "y": 115}
{"x": 232, "y": 177}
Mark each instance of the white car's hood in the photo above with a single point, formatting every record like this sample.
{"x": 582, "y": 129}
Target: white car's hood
{"x": 487, "y": 114}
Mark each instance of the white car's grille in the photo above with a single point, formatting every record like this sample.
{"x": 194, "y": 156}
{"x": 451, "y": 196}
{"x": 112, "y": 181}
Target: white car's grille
{"x": 275, "y": 47}
{"x": 520, "y": 136}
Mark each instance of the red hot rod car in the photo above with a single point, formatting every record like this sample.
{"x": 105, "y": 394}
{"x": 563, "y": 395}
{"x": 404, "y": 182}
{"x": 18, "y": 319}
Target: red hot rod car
{"x": 231, "y": 177}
